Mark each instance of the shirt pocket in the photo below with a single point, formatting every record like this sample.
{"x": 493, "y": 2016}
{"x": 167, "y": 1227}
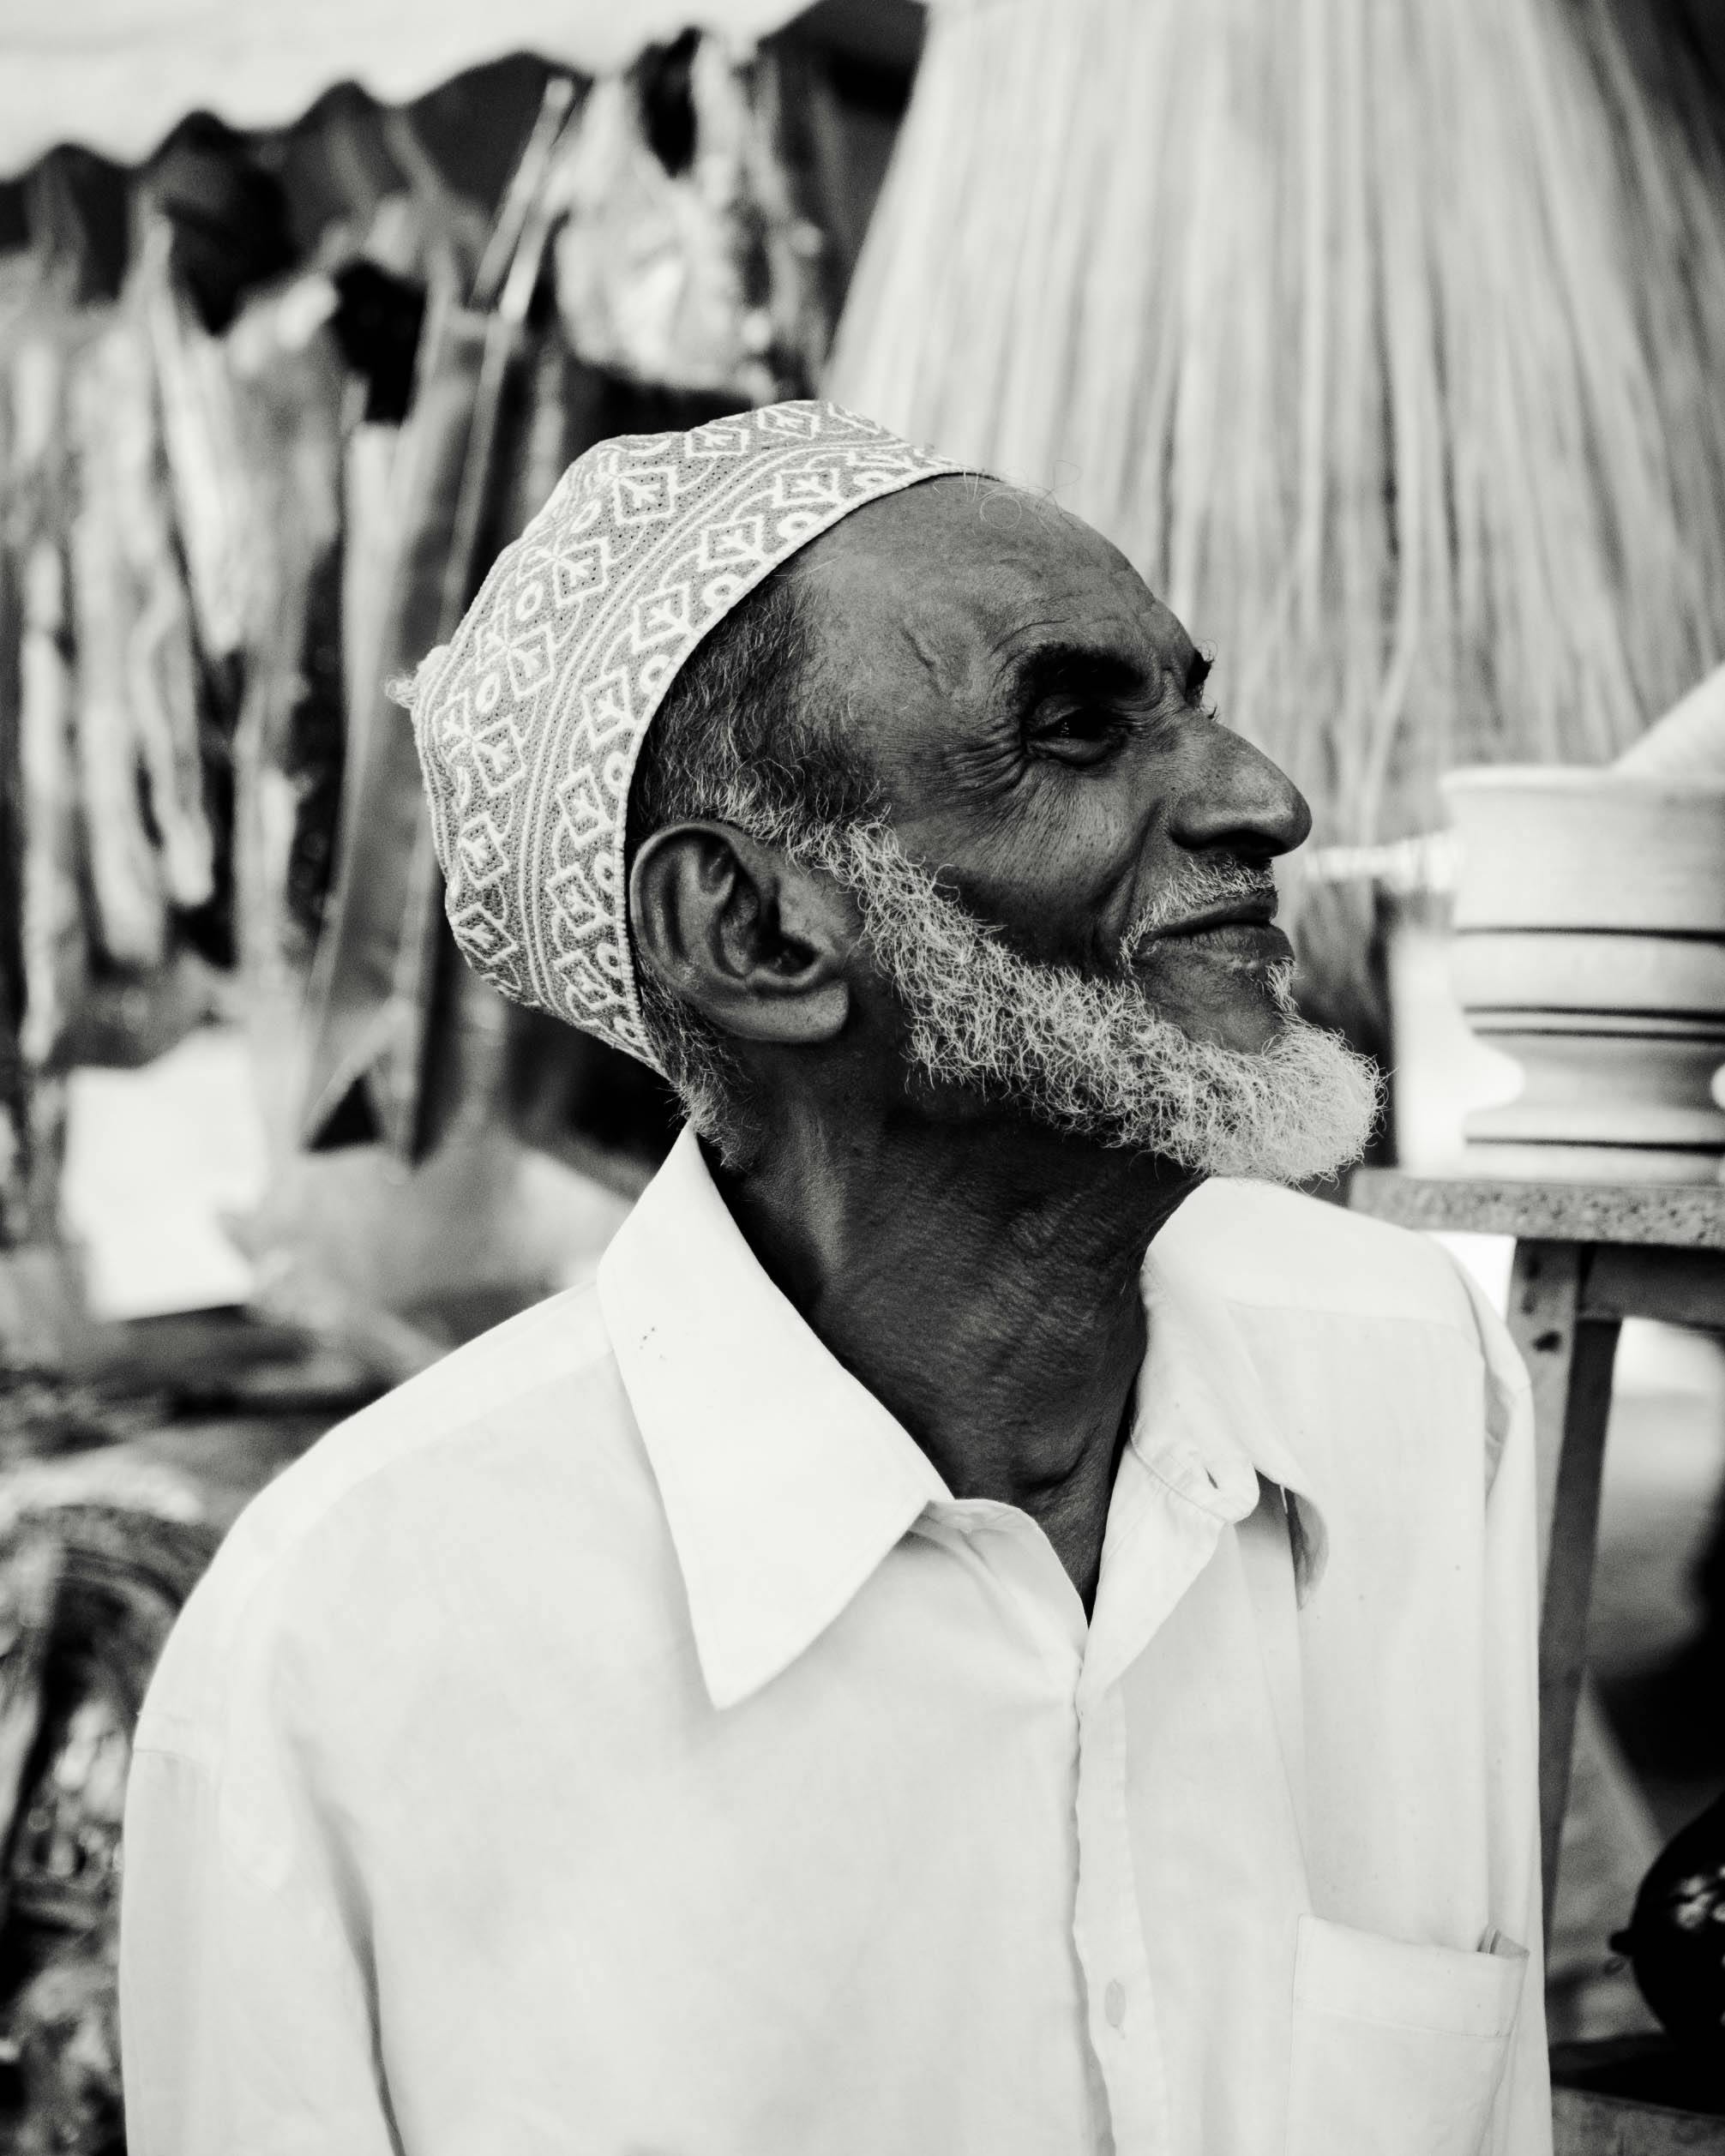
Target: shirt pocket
{"x": 1398, "y": 2049}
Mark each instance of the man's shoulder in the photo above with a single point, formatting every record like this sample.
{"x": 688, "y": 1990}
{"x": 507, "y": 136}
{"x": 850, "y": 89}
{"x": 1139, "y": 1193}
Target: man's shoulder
{"x": 525, "y": 1433}
{"x": 1342, "y": 1308}
{"x": 1262, "y": 1245}
{"x": 545, "y": 1376}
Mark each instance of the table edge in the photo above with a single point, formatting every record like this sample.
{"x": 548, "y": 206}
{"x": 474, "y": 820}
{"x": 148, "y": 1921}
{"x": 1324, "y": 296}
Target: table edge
{"x": 1670, "y": 1215}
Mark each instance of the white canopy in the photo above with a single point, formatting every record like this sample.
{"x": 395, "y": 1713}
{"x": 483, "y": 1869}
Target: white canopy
{"x": 116, "y": 75}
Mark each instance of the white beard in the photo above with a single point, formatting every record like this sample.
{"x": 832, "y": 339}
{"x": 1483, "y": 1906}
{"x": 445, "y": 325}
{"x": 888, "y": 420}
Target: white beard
{"x": 1088, "y": 1055}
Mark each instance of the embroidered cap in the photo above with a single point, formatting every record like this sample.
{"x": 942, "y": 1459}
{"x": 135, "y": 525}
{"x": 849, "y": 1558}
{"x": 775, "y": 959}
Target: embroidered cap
{"x": 529, "y": 721}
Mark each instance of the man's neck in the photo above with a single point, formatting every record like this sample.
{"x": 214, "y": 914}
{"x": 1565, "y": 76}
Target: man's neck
{"x": 986, "y": 1291}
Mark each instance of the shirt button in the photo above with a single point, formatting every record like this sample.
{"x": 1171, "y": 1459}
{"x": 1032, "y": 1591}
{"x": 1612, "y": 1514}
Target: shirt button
{"x": 1113, "y": 2003}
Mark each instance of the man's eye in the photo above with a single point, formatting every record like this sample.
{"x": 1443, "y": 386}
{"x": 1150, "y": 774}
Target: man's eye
{"x": 1082, "y": 733}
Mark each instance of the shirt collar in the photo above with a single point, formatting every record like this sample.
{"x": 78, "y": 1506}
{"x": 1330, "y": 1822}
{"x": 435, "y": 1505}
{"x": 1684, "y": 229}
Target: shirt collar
{"x": 785, "y": 1481}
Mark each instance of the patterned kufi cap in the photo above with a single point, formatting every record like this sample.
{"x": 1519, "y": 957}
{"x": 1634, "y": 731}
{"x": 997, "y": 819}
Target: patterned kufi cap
{"x": 530, "y": 719}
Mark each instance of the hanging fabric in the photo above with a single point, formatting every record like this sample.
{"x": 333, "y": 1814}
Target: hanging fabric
{"x": 679, "y": 295}
{"x": 290, "y": 395}
{"x": 43, "y": 950}
{"x": 54, "y": 951}
{"x": 377, "y": 966}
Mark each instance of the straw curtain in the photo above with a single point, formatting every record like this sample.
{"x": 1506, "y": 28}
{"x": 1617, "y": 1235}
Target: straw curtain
{"x": 1387, "y": 336}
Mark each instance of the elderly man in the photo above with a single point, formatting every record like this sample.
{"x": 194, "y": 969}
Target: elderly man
{"x": 991, "y": 1628}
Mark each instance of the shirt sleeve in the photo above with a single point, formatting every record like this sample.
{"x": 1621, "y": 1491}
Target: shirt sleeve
{"x": 1522, "y": 2124}
{"x": 247, "y": 2018}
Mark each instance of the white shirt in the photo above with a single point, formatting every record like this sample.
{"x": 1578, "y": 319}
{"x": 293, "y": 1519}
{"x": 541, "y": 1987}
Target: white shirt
{"x": 618, "y": 1742}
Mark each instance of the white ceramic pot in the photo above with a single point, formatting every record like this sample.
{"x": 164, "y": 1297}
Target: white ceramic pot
{"x": 1589, "y": 946}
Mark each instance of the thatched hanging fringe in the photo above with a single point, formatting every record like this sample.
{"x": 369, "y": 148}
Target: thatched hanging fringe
{"x": 1387, "y": 337}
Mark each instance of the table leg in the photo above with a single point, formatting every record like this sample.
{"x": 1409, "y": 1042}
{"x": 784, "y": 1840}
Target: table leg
{"x": 1569, "y": 1360}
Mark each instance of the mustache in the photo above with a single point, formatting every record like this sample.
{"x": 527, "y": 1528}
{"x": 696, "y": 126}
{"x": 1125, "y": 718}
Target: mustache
{"x": 1200, "y": 886}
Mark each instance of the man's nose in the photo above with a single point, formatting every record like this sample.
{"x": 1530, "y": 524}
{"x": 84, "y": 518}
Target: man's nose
{"x": 1235, "y": 800}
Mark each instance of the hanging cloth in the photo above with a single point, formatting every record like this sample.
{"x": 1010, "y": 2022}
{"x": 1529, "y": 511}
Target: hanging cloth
{"x": 374, "y": 982}
{"x": 706, "y": 298}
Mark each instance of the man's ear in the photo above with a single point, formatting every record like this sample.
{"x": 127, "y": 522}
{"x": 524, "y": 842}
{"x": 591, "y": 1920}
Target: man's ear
{"x": 757, "y": 945}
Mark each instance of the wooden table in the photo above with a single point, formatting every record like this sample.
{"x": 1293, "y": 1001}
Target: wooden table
{"x": 1587, "y": 1256}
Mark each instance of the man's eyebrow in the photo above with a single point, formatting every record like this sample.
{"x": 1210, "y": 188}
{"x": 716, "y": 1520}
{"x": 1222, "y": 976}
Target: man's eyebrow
{"x": 1048, "y": 669}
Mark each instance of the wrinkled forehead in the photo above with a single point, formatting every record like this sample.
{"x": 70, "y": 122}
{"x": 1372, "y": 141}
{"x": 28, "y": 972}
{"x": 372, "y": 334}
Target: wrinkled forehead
{"x": 954, "y": 579}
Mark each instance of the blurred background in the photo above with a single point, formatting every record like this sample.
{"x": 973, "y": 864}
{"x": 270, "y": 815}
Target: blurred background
{"x": 1387, "y": 336}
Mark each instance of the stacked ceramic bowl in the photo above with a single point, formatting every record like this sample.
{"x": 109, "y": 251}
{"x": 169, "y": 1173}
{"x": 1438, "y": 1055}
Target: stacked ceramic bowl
{"x": 1589, "y": 946}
